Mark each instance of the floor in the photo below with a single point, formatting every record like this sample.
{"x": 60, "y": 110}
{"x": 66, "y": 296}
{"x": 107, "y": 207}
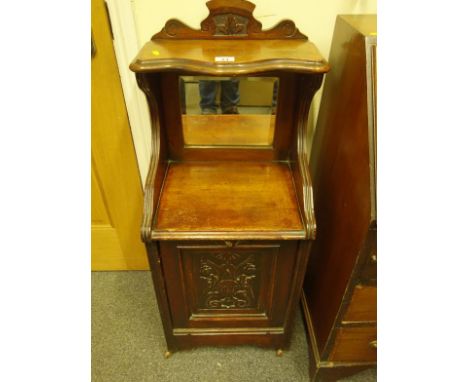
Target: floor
{"x": 128, "y": 343}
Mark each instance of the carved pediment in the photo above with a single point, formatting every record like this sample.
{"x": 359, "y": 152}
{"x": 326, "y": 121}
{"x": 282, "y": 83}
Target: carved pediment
{"x": 229, "y": 19}
{"x": 230, "y": 25}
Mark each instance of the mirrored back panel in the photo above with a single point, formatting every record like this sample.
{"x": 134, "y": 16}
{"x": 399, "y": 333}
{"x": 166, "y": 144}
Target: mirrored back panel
{"x": 227, "y": 111}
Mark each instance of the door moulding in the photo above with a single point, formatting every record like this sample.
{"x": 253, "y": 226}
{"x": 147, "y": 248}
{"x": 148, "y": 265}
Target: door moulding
{"x": 126, "y": 47}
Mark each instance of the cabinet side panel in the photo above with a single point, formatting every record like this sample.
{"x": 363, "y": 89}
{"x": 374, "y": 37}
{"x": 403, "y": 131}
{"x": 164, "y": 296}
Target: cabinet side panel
{"x": 154, "y": 258}
{"x": 340, "y": 167}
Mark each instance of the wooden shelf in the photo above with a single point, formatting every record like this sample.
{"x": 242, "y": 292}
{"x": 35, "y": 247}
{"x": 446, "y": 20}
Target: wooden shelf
{"x": 226, "y": 199}
{"x": 248, "y": 56}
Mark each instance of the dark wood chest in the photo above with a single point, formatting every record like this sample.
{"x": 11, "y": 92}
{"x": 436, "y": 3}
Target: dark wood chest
{"x": 340, "y": 287}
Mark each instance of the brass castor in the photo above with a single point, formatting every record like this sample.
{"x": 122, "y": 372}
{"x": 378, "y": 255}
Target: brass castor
{"x": 279, "y": 352}
{"x": 167, "y": 354}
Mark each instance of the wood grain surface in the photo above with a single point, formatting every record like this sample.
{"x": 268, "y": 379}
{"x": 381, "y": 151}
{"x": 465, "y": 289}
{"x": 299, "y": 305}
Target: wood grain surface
{"x": 228, "y": 227}
{"x": 228, "y": 196}
{"x": 363, "y": 304}
{"x": 354, "y": 344}
{"x": 229, "y": 19}
{"x": 341, "y": 176}
{"x": 249, "y": 56}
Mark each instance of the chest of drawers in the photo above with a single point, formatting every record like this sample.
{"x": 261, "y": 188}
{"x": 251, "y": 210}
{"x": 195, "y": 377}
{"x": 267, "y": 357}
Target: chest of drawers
{"x": 340, "y": 289}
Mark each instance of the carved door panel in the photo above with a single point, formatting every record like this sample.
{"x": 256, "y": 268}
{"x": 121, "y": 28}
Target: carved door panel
{"x": 228, "y": 284}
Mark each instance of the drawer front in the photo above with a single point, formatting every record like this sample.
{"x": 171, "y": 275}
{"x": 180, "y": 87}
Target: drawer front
{"x": 228, "y": 284}
{"x": 363, "y": 305}
{"x": 357, "y": 344}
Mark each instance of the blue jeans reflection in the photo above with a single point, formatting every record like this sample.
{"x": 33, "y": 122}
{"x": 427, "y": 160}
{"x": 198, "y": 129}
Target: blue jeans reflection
{"x": 229, "y": 96}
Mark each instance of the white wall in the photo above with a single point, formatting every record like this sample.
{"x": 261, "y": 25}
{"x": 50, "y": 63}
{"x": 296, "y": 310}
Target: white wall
{"x": 314, "y": 18}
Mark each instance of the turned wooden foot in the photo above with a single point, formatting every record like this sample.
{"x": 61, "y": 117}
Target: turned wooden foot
{"x": 279, "y": 352}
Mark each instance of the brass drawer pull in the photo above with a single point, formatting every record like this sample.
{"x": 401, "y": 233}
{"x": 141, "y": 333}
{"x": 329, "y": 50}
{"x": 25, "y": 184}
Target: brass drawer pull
{"x": 373, "y": 258}
{"x": 373, "y": 344}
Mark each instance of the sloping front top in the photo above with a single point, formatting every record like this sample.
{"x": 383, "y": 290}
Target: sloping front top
{"x": 365, "y": 24}
{"x": 230, "y": 57}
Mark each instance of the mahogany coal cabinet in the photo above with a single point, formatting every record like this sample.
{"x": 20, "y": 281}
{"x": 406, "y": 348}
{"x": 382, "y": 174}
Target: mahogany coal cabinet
{"x": 228, "y": 216}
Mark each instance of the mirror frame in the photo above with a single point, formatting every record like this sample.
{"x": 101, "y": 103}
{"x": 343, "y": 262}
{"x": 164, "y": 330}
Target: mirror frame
{"x": 264, "y": 129}
{"x": 171, "y": 116}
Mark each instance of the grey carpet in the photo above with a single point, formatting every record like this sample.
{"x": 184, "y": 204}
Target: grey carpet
{"x": 128, "y": 343}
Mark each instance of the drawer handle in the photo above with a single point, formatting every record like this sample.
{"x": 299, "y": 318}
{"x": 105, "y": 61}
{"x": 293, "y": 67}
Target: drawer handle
{"x": 373, "y": 344}
{"x": 228, "y": 244}
{"x": 373, "y": 258}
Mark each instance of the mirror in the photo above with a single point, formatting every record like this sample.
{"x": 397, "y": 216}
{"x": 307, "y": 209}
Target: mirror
{"x": 227, "y": 111}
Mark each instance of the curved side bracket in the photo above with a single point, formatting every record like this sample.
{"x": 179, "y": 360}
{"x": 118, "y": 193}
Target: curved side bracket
{"x": 229, "y": 19}
{"x": 308, "y": 86}
{"x": 157, "y": 166}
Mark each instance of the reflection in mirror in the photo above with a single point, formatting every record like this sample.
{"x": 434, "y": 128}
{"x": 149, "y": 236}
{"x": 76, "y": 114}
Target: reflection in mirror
{"x": 226, "y": 111}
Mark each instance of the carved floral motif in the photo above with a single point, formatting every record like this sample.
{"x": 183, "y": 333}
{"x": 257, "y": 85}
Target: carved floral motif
{"x": 228, "y": 280}
{"x": 230, "y": 25}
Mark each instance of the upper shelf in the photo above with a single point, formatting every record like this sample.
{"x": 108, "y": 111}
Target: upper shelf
{"x": 231, "y": 42}
{"x": 244, "y": 57}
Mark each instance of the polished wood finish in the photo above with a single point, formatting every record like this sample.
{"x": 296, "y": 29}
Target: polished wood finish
{"x": 339, "y": 287}
{"x": 285, "y": 129}
{"x": 228, "y": 226}
{"x": 159, "y": 155}
{"x": 180, "y": 47}
{"x": 355, "y": 344}
{"x": 249, "y": 57}
{"x": 191, "y": 304}
{"x": 228, "y": 287}
{"x": 308, "y": 85}
{"x": 228, "y": 196}
{"x": 116, "y": 193}
{"x": 322, "y": 369}
{"x": 228, "y": 130}
{"x": 363, "y": 305}
{"x": 368, "y": 272}
{"x": 282, "y": 47}
{"x": 229, "y": 19}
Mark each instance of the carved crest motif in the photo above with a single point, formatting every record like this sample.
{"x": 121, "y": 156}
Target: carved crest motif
{"x": 228, "y": 280}
{"x": 229, "y": 19}
{"x": 230, "y": 25}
